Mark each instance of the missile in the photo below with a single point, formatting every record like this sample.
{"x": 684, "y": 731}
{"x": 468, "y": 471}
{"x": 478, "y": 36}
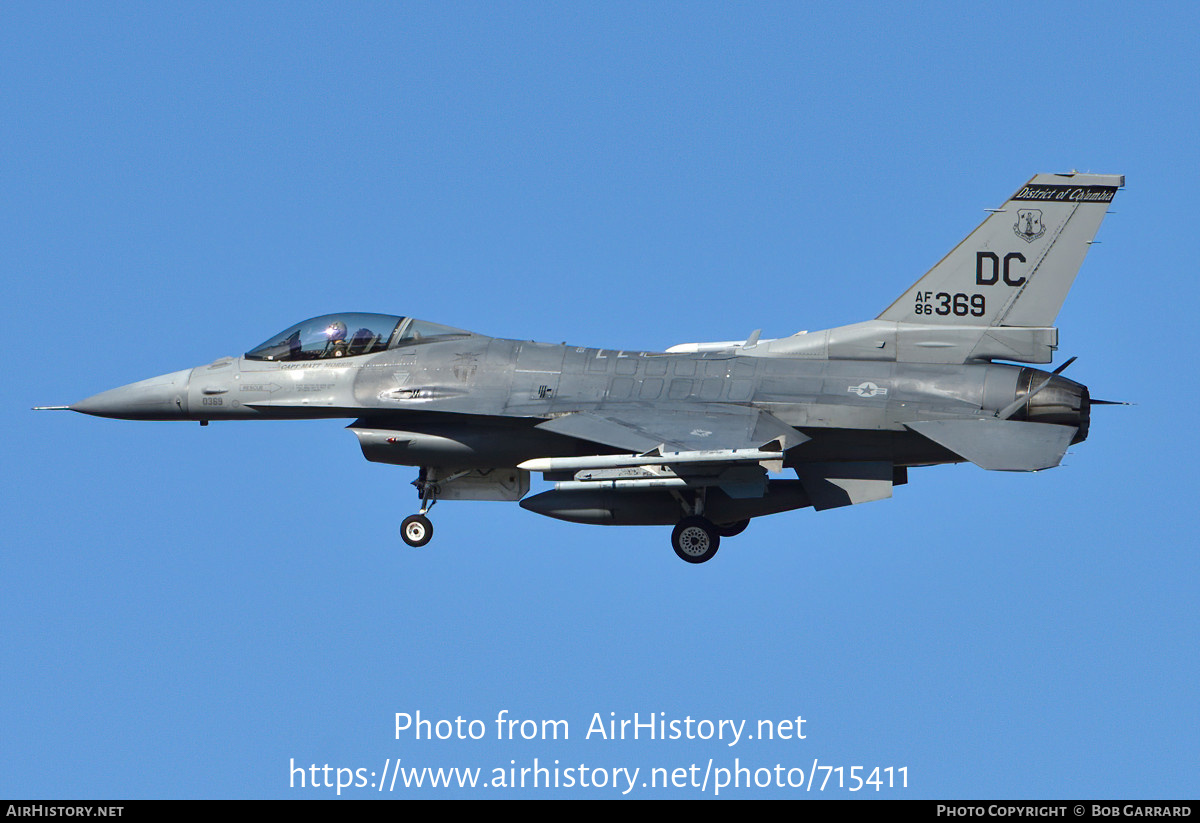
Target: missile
{"x": 603, "y": 461}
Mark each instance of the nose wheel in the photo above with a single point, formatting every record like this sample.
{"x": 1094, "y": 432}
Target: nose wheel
{"x": 416, "y": 530}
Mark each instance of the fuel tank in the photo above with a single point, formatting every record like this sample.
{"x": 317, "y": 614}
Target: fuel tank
{"x": 661, "y": 508}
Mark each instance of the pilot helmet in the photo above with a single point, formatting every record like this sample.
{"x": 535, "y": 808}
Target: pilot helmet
{"x": 336, "y": 331}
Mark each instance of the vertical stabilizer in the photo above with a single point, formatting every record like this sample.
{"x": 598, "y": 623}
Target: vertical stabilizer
{"x": 1017, "y": 267}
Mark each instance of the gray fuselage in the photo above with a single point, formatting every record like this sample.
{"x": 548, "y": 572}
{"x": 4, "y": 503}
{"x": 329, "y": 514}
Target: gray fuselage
{"x": 853, "y": 410}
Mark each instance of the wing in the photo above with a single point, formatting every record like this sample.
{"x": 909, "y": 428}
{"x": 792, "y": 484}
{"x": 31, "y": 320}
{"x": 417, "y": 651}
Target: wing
{"x": 694, "y": 428}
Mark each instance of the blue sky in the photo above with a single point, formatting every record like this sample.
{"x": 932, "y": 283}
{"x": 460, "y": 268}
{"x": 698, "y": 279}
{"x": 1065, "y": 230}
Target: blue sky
{"x": 189, "y": 611}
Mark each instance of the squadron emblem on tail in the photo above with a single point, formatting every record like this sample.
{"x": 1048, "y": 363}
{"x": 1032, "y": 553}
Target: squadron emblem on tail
{"x": 1029, "y": 225}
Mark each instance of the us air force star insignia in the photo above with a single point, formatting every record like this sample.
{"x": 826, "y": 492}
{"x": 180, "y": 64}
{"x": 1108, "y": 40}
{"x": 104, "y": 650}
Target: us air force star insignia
{"x": 867, "y": 389}
{"x": 700, "y": 433}
{"x": 1029, "y": 224}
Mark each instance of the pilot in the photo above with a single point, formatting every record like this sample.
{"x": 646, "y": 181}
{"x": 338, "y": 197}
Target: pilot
{"x": 336, "y": 332}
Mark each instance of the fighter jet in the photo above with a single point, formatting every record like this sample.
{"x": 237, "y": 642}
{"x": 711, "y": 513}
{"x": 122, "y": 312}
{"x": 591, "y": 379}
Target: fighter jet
{"x": 701, "y": 436}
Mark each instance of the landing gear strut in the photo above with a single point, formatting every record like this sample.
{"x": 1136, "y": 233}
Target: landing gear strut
{"x": 417, "y": 530}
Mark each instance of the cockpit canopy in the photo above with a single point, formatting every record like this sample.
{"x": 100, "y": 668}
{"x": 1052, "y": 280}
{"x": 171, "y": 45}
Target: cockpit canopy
{"x": 349, "y": 335}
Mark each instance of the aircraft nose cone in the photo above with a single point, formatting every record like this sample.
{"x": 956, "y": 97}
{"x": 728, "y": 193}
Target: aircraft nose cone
{"x": 159, "y": 398}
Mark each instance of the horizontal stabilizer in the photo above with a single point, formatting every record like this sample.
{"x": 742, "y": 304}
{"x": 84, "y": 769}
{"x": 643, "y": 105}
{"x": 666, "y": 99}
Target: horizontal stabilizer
{"x": 1000, "y": 445}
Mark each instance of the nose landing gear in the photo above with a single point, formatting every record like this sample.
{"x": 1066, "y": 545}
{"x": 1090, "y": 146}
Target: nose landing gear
{"x": 417, "y": 529}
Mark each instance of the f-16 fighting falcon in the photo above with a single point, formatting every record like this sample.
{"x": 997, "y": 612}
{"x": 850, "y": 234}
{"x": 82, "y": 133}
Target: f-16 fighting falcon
{"x": 697, "y": 437}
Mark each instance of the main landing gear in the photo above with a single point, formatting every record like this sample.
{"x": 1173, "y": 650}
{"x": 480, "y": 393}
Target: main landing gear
{"x": 695, "y": 537}
{"x": 417, "y": 530}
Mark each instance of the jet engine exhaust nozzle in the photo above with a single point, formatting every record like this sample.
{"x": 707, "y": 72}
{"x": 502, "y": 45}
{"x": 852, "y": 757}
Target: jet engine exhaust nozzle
{"x": 1062, "y": 402}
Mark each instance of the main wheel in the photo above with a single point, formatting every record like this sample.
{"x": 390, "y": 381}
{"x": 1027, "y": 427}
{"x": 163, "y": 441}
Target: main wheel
{"x": 733, "y": 529}
{"x": 695, "y": 539}
{"x": 416, "y": 530}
